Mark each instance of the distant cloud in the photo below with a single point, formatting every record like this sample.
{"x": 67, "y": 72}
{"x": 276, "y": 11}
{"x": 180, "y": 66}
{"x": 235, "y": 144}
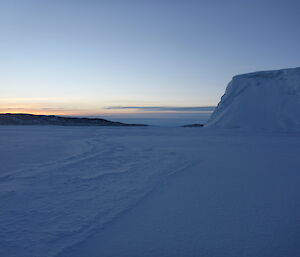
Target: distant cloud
{"x": 52, "y": 108}
{"x": 164, "y": 109}
{"x": 1, "y": 109}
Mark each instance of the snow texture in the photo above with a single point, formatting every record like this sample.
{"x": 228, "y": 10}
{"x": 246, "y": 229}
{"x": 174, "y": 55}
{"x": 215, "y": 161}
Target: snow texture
{"x": 265, "y": 100}
{"x": 142, "y": 191}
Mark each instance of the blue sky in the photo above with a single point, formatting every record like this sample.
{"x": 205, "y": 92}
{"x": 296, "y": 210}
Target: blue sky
{"x": 82, "y": 57}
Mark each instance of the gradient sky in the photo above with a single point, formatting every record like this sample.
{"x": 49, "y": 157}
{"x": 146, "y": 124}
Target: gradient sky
{"x": 82, "y": 56}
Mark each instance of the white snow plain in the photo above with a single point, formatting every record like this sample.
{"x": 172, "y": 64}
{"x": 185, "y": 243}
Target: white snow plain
{"x": 146, "y": 191}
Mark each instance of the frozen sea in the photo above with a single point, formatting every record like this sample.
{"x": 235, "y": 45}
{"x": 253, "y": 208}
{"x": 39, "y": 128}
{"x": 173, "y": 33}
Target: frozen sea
{"x": 148, "y": 191}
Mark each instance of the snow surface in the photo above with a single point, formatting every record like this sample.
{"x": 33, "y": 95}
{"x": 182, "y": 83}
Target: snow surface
{"x": 90, "y": 191}
{"x": 265, "y": 100}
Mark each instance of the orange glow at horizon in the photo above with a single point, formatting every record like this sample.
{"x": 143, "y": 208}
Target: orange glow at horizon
{"x": 38, "y": 110}
{"x": 31, "y": 111}
{"x": 83, "y": 107}
{"x": 56, "y": 106}
{"x": 65, "y": 112}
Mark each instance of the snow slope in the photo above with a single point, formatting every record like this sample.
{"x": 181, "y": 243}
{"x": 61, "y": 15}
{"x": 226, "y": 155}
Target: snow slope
{"x": 90, "y": 191}
{"x": 265, "y": 100}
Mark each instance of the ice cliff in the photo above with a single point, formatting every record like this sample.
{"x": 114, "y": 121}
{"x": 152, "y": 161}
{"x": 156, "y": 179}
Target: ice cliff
{"x": 265, "y": 100}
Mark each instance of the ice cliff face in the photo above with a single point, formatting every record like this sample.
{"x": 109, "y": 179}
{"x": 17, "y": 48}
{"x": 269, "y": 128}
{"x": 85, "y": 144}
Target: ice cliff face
{"x": 265, "y": 100}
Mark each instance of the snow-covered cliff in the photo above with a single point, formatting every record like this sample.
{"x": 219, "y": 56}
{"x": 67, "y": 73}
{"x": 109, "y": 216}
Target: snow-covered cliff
{"x": 265, "y": 100}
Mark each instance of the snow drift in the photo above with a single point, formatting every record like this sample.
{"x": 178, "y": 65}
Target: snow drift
{"x": 265, "y": 100}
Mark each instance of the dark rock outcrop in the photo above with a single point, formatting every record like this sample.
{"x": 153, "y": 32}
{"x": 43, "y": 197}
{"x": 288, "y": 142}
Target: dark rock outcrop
{"x": 193, "y": 125}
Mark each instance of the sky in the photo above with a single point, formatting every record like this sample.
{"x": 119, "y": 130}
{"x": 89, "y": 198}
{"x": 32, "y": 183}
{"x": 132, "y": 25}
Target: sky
{"x": 97, "y": 58}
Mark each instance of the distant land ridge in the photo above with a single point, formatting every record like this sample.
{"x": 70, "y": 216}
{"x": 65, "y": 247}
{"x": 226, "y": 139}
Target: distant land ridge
{"x": 31, "y": 119}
